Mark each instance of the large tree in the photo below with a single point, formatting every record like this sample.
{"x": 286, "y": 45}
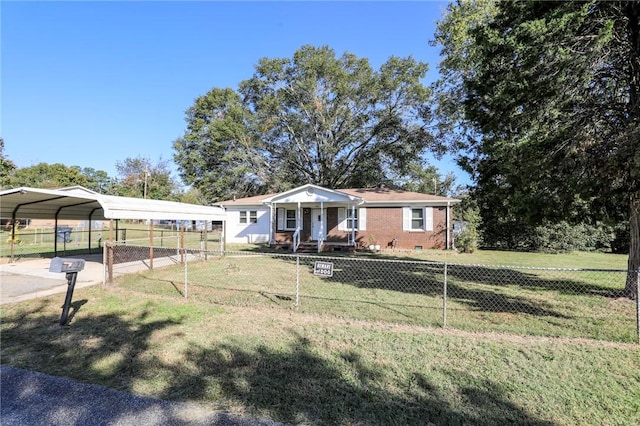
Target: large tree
{"x": 549, "y": 110}
{"x": 313, "y": 118}
{"x": 141, "y": 178}
{"x": 218, "y": 154}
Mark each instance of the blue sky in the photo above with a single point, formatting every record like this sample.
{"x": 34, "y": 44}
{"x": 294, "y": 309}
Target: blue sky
{"x": 92, "y": 83}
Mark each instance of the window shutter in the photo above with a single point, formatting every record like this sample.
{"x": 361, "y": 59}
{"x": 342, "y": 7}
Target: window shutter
{"x": 406, "y": 218}
{"x": 280, "y": 219}
{"x": 362, "y": 218}
{"x": 428, "y": 218}
{"x": 342, "y": 219}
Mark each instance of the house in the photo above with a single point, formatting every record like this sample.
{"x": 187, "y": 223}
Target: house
{"x": 342, "y": 219}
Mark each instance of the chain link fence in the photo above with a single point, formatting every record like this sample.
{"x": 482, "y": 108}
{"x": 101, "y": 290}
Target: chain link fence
{"x": 562, "y": 302}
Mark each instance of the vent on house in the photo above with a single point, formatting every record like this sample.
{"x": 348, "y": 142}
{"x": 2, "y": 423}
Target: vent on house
{"x": 417, "y": 248}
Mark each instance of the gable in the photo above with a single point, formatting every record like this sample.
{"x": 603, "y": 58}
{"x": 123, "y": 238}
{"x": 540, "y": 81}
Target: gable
{"x": 313, "y": 194}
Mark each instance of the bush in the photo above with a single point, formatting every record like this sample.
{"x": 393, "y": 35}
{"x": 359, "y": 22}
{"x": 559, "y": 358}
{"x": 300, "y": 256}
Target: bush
{"x": 467, "y": 239}
{"x": 557, "y": 237}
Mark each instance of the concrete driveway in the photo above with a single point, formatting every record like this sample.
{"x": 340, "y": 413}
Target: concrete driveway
{"x": 28, "y": 279}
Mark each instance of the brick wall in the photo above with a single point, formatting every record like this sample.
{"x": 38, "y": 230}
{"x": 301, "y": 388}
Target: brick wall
{"x": 385, "y": 225}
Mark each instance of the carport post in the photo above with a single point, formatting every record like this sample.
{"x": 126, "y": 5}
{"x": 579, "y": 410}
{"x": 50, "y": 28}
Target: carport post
{"x": 55, "y": 236}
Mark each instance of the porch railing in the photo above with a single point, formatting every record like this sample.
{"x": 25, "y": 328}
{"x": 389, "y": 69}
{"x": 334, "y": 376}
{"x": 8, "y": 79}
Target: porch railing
{"x": 296, "y": 240}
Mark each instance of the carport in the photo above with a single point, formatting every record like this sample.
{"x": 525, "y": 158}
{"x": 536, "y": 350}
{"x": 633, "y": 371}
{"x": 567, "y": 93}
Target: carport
{"x": 79, "y": 203}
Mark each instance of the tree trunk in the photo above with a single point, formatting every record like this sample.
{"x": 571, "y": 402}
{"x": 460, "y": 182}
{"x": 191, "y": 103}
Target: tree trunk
{"x": 632, "y": 13}
{"x": 633, "y": 274}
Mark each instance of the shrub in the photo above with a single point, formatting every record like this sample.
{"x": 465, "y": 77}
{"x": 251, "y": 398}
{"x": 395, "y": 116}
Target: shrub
{"x": 564, "y": 237}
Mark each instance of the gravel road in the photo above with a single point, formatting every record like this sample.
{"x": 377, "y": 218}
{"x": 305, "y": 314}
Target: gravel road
{"x": 30, "y": 398}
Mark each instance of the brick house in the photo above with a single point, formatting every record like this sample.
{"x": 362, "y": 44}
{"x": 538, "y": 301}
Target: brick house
{"x": 324, "y": 219}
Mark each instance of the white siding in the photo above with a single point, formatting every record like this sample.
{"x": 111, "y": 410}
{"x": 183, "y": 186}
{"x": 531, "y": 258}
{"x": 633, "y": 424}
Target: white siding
{"x": 247, "y": 232}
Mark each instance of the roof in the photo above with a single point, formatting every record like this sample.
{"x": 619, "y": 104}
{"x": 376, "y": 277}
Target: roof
{"x": 370, "y": 196}
{"x": 378, "y": 195}
{"x": 81, "y": 203}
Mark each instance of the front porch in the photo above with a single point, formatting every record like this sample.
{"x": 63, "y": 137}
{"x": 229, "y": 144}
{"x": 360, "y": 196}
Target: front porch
{"x": 314, "y": 219}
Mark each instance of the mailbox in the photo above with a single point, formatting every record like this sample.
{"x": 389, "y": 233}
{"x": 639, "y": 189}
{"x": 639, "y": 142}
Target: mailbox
{"x": 71, "y": 267}
{"x": 61, "y": 264}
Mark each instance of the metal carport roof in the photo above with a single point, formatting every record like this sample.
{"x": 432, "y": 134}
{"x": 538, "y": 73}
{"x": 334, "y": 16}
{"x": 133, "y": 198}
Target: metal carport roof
{"x": 81, "y": 203}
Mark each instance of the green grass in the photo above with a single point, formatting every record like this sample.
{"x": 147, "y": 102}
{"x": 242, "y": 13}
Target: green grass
{"x": 315, "y": 368}
{"x": 560, "y": 303}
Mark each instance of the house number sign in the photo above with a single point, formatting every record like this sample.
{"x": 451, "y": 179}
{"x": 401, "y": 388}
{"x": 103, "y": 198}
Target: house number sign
{"x": 323, "y": 269}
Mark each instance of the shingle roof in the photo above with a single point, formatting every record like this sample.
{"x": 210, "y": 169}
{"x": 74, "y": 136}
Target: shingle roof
{"x": 369, "y": 195}
{"x": 386, "y": 194}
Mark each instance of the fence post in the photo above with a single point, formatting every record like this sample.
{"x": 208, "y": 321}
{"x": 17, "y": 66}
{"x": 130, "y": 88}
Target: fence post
{"x": 297, "y": 280}
{"x": 638, "y": 304}
{"x": 109, "y": 249}
{"x": 444, "y": 298}
{"x": 151, "y": 244}
{"x": 186, "y": 275}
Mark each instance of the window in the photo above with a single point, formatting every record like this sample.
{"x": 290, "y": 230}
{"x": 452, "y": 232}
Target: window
{"x": 287, "y": 220}
{"x": 417, "y": 219}
{"x": 291, "y": 219}
{"x": 249, "y": 216}
{"x": 348, "y": 223}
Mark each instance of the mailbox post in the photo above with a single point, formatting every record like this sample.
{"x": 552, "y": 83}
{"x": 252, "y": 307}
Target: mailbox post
{"x": 71, "y": 267}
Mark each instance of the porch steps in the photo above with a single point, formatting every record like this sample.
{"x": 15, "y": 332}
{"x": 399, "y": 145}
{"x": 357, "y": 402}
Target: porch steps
{"x": 308, "y": 247}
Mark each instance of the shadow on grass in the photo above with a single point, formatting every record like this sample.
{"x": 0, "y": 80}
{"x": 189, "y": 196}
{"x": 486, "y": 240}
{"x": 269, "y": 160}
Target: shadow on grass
{"x": 477, "y": 288}
{"x": 290, "y": 383}
{"x": 295, "y": 385}
{"x": 480, "y": 274}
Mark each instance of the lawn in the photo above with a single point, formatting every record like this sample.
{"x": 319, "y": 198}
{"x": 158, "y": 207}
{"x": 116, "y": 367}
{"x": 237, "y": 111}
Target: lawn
{"x": 542, "y": 302}
{"x": 312, "y": 368}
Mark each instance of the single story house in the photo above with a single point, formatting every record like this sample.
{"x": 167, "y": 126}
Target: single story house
{"x": 323, "y": 219}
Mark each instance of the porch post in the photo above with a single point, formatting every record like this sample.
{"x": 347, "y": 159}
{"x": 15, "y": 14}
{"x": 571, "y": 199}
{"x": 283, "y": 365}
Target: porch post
{"x": 298, "y": 217}
{"x": 322, "y": 218}
{"x": 272, "y": 217}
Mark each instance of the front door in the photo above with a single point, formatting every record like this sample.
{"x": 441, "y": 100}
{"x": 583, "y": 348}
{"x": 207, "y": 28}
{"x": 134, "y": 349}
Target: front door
{"x": 316, "y": 224}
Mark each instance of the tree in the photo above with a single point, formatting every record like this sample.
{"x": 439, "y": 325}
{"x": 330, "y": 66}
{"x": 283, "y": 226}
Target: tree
{"x": 218, "y": 153}
{"x": 313, "y": 118}
{"x": 7, "y": 167}
{"x": 48, "y": 176}
{"x": 98, "y": 180}
{"x": 550, "y": 111}
{"x": 427, "y": 180}
{"x": 140, "y": 178}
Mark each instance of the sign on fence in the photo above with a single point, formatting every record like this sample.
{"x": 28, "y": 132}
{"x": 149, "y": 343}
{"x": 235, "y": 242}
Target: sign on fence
{"x": 323, "y": 269}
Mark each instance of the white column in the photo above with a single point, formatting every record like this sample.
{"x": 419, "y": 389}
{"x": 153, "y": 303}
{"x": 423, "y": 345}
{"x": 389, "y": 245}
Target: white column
{"x": 322, "y": 233}
{"x": 272, "y": 237}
